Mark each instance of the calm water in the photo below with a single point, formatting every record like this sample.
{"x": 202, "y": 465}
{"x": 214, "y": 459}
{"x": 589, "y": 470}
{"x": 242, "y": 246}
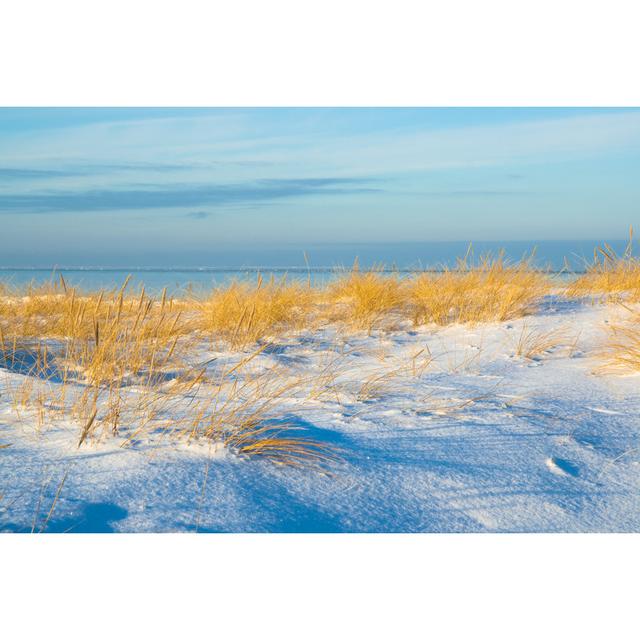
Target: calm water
{"x": 323, "y": 262}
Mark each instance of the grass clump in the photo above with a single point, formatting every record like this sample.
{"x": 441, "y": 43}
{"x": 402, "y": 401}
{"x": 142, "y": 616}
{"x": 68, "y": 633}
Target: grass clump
{"x": 56, "y": 311}
{"x": 491, "y": 291}
{"x": 240, "y": 314}
{"x": 247, "y": 412}
{"x": 362, "y": 300}
{"x": 621, "y": 352}
{"x": 610, "y": 277}
{"x": 533, "y": 344}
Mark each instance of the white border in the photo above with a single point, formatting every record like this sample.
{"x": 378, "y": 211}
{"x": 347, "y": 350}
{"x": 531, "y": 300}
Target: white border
{"x": 320, "y": 586}
{"x": 336, "y": 52}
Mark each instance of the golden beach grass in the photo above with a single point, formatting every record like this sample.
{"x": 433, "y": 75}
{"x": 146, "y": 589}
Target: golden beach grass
{"x": 114, "y": 364}
{"x": 621, "y": 350}
{"x": 241, "y": 314}
{"x": 534, "y": 344}
{"x": 492, "y": 291}
{"x": 121, "y": 362}
{"x": 363, "y": 300}
{"x": 610, "y": 277}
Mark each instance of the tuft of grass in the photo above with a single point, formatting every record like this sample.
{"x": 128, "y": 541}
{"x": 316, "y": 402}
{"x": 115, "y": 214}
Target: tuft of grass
{"x": 240, "y": 315}
{"x": 621, "y": 351}
{"x": 247, "y": 412}
{"x": 533, "y": 344}
{"x": 610, "y": 277}
{"x": 491, "y": 291}
{"x": 363, "y": 300}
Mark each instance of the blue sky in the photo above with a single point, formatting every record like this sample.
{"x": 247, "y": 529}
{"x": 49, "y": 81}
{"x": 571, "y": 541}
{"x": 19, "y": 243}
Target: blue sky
{"x": 79, "y": 185}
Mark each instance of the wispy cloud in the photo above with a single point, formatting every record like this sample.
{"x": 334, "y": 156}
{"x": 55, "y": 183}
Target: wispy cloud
{"x": 89, "y": 168}
{"x": 260, "y": 191}
{"x": 198, "y": 215}
{"x": 14, "y": 173}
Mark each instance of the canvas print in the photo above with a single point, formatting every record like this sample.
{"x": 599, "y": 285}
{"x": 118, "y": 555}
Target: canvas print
{"x": 319, "y": 320}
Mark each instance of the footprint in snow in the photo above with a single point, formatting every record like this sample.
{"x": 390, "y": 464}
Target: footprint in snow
{"x": 561, "y": 467}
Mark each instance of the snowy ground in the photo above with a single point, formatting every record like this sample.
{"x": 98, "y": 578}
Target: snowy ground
{"x": 481, "y": 440}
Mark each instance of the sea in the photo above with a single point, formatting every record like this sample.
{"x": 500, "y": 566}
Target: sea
{"x": 318, "y": 264}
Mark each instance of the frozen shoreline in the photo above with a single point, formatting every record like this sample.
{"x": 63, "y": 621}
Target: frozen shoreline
{"x": 481, "y": 440}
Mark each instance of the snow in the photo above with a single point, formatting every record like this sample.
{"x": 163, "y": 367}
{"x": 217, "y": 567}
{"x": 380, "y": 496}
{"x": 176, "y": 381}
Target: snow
{"x": 478, "y": 439}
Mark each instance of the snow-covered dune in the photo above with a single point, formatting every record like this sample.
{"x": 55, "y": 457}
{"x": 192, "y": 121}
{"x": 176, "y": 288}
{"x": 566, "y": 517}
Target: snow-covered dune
{"x": 495, "y": 427}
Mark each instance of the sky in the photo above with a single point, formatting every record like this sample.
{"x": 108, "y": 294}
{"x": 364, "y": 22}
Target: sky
{"x": 171, "y": 186}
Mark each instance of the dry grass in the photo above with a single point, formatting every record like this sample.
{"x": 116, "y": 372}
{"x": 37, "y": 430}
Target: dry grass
{"x": 397, "y": 375}
{"x": 491, "y": 291}
{"x": 380, "y": 383}
{"x": 621, "y": 352}
{"x": 247, "y": 412}
{"x": 113, "y": 365}
{"x": 57, "y": 311}
{"x": 117, "y": 363}
{"x": 534, "y": 344}
{"x": 610, "y": 277}
{"x": 79, "y": 353}
{"x": 242, "y": 409}
{"x": 364, "y": 300}
{"x": 241, "y": 314}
